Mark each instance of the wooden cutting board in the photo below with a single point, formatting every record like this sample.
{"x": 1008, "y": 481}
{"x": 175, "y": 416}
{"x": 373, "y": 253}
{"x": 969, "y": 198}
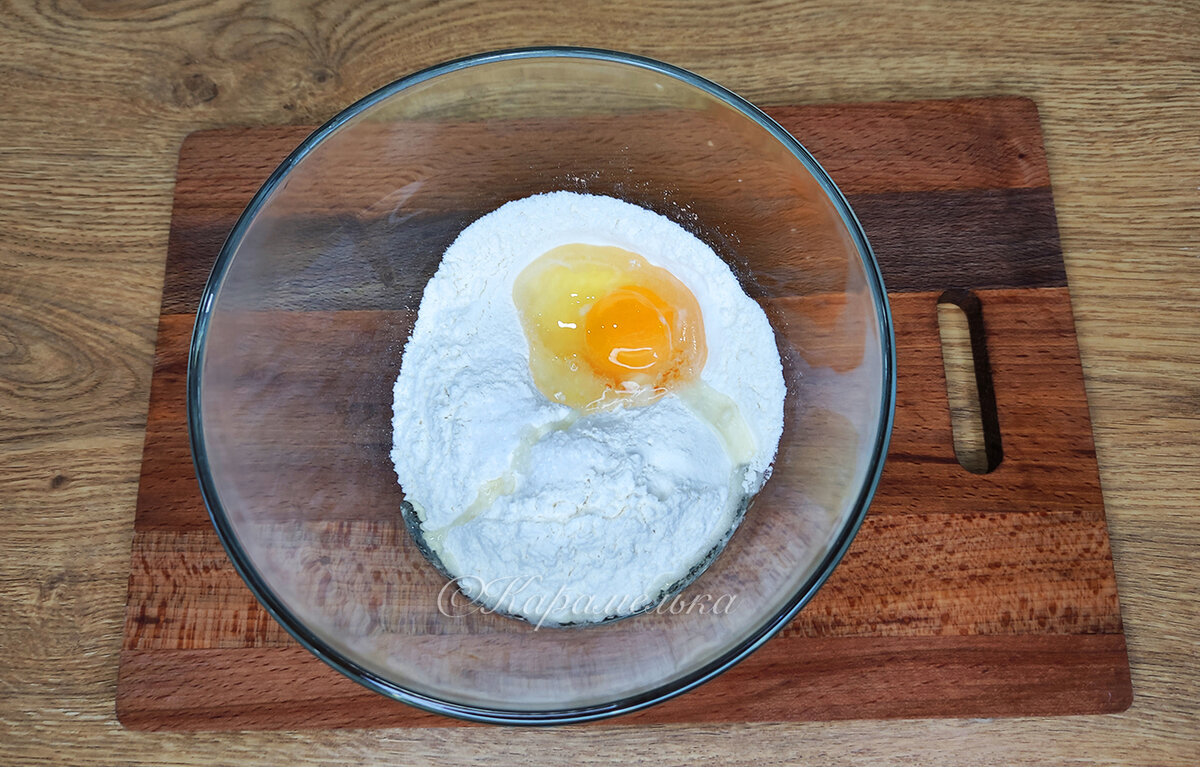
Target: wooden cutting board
{"x": 963, "y": 595}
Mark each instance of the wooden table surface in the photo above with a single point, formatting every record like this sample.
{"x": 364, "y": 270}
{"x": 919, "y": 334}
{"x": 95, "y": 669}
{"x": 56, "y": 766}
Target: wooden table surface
{"x": 96, "y": 97}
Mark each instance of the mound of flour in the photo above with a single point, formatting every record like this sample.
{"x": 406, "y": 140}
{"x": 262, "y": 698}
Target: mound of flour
{"x": 544, "y": 512}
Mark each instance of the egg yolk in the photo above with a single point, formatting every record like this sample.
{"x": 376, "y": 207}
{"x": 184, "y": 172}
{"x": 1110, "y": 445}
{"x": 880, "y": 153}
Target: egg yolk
{"x": 606, "y": 327}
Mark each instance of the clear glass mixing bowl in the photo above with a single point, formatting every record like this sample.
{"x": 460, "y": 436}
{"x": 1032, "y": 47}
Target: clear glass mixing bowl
{"x": 302, "y": 325}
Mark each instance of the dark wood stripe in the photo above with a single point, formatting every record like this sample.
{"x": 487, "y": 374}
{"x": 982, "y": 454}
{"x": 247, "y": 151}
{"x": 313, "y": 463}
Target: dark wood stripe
{"x": 966, "y": 240}
{"x": 338, "y": 263}
{"x": 923, "y": 241}
{"x": 810, "y": 679}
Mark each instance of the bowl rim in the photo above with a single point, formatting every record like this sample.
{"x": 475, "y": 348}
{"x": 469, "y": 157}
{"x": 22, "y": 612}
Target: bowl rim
{"x": 661, "y": 692}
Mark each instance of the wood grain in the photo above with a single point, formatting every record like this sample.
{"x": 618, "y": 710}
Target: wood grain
{"x": 1020, "y": 552}
{"x": 98, "y": 99}
{"x": 915, "y": 674}
{"x": 903, "y": 577}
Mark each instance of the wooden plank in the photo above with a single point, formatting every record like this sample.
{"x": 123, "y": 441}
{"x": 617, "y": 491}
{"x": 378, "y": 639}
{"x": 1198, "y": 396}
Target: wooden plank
{"x": 918, "y": 146}
{"x": 952, "y": 239}
{"x": 810, "y": 679}
{"x": 1000, "y": 573}
{"x": 1049, "y": 463}
{"x": 923, "y": 146}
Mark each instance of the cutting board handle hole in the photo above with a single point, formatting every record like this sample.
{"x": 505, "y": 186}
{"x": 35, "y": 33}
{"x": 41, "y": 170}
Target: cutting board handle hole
{"x": 969, "y": 389}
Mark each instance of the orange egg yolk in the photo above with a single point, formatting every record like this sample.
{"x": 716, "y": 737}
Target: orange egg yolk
{"x": 606, "y": 327}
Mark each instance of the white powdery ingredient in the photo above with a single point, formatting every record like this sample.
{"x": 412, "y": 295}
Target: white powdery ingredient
{"x": 542, "y": 512}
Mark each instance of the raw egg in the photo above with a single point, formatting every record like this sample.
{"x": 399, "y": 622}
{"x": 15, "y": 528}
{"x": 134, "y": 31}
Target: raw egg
{"x": 606, "y": 327}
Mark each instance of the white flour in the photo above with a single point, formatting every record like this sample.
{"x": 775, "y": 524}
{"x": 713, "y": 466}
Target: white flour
{"x": 543, "y": 512}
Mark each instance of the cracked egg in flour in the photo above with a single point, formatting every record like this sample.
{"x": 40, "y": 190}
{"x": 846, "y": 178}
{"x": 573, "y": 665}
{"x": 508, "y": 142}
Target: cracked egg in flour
{"x": 586, "y": 404}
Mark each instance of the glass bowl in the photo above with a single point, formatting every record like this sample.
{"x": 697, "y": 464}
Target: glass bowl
{"x": 301, "y": 328}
